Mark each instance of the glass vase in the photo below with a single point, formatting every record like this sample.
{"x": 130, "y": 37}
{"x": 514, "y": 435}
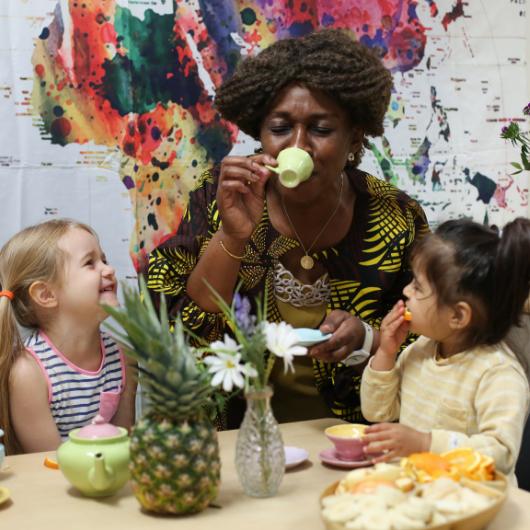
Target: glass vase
{"x": 260, "y": 455}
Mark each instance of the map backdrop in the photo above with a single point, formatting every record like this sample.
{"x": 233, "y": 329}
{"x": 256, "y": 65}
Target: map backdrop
{"x": 108, "y": 117}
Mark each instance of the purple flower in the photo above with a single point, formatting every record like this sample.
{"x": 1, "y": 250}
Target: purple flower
{"x": 244, "y": 320}
{"x": 510, "y": 132}
{"x": 526, "y": 110}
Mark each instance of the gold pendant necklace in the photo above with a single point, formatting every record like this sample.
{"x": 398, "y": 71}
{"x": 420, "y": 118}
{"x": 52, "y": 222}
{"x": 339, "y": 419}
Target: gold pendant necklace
{"x": 306, "y": 261}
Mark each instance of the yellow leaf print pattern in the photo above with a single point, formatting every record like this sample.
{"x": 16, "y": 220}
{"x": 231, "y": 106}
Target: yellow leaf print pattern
{"x": 387, "y": 233}
{"x": 347, "y": 295}
{"x": 166, "y": 269}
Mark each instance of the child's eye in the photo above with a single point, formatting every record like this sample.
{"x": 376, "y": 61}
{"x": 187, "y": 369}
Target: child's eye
{"x": 89, "y": 263}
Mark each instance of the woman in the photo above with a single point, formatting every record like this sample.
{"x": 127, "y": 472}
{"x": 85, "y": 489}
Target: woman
{"x": 322, "y": 93}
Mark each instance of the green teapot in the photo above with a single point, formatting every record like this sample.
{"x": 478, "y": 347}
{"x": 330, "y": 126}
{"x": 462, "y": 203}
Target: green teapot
{"x": 95, "y": 459}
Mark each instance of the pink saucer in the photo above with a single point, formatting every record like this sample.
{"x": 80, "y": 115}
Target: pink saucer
{"x": 328, "y": 456}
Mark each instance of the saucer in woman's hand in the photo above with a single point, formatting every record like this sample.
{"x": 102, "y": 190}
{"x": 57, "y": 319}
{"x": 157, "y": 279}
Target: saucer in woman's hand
{"x": 328, "y": 456}
{"x": 294, "y": 456}
{"x": 308, "y": 337}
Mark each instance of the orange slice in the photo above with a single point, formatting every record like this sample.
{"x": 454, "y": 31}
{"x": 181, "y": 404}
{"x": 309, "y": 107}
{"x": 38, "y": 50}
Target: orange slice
{"x": 471, "y": 463}
{"x": 466, "y": 459}
{"x": 425, "y": 467}
{"x": 486, "y": 470}
{"x": 52, "y": 464}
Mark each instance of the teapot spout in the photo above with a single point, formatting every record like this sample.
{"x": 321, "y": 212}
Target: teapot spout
{"x": 100, "y": 475}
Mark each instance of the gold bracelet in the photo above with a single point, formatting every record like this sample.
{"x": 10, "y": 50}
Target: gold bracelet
{"x": 239, "y": 258}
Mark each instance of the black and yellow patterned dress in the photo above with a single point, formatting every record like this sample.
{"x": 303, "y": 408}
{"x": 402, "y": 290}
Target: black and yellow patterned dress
{"x": 367, "y": 269}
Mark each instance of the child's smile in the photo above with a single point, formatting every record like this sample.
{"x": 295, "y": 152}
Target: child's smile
{"x": 88, "y": 280}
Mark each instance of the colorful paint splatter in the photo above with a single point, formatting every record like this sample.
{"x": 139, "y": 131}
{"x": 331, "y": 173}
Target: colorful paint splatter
{"x": 146, "y": 86}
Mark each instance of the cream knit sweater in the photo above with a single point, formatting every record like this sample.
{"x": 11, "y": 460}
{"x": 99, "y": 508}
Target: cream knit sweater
{"x": 476, "y": 398}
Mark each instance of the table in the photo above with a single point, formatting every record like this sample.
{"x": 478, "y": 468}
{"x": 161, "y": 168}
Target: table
{"x": 42, "y": 499}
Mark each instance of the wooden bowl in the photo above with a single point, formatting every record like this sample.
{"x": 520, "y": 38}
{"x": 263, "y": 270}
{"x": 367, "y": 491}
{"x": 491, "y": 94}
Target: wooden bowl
{"x": 497, "y": 489}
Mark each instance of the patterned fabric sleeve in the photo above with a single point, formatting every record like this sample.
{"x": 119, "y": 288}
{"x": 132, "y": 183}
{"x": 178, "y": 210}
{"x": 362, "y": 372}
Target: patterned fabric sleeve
{"x": 172, "y": 262}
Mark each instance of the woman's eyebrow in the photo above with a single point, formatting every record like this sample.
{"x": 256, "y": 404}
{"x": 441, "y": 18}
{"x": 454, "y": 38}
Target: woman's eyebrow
{"x": 316, "y": 115}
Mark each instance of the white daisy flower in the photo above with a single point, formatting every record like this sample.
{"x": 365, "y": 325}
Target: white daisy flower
{"x": 228, "y": 370}
{"x": 282, "y": 341}
{"x": 227, "y": 346}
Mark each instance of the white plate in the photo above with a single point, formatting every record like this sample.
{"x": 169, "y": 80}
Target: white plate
{"x": 294, "y": 456}
{"x": 308, "y": 336}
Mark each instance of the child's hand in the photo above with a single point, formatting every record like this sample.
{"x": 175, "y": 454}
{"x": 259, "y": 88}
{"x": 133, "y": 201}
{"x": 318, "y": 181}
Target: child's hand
{"x": 394, "y": 440}
{"x": 393, "y": 331}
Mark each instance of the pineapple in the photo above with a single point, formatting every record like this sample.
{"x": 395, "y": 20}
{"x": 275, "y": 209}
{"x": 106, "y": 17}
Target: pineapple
{"x": 175, "y": 466}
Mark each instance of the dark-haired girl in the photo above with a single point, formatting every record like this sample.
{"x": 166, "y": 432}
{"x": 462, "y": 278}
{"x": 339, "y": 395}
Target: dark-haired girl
{"x": 459, "y": 384}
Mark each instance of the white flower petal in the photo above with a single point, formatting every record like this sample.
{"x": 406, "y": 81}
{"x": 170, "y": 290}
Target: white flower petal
{"x": 249, "y": 370}
{"x": 298, "y": 350}
{"x": 213, "y": 360}
{"x": 227, "y": 382}
{"x": 238, "y": 378}
{"x": 217, "y": 378}
{"x": 288, "y": 365}
{"x": 227, "y": 346}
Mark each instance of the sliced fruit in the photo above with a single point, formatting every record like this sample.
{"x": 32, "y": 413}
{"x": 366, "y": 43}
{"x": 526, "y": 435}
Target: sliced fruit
{"x": 466, "y": 459}
{"x": 52, "y": 464}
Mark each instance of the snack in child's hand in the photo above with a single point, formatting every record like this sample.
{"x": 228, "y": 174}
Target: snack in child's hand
{"x": 407, "y": 315}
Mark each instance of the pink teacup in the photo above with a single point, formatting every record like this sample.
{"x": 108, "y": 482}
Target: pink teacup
{"x": 347, "y": 440}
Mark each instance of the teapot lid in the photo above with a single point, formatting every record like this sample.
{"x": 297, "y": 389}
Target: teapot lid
{"x": 98, "y": 428}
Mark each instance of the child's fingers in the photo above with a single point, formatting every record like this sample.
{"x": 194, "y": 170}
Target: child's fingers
{"x": 391, "y": 316}
{"x": 385, "y": 457}
{"x": 395, "y": 325}
{"x": 376, "y": 428}
{"x": 379, "y": 446}
{"x": 394, "y": 320}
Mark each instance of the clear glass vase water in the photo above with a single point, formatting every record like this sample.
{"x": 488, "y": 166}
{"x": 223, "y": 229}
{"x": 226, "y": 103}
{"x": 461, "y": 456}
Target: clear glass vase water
{"x": 260, "y": 456}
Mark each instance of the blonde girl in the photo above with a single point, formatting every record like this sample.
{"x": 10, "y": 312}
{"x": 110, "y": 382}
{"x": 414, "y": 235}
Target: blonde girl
{"x": 459, "y": 384}
{"x": 53, "y": 279}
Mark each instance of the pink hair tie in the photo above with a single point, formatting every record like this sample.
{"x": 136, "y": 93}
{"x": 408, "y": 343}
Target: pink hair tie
{"x": 7, "y": 294}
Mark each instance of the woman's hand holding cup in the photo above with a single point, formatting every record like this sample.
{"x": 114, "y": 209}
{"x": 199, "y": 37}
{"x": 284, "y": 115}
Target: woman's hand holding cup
{"x": 241, "y": 193}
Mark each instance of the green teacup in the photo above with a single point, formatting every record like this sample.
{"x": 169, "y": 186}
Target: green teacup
{"x": 294, "y": 166}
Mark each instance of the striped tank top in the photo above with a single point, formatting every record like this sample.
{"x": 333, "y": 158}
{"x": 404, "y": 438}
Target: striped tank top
{"x": 76, "y": 395}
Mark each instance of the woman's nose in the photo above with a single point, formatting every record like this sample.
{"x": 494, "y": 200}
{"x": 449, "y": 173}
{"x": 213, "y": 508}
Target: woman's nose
{"x": 300, "y": 139}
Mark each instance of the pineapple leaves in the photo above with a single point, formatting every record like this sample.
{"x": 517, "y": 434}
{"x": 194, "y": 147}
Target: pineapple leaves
{"x": 175, "y": 383}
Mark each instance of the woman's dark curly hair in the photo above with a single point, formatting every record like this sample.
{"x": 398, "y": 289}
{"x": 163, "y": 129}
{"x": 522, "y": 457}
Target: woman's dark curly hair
{"x": 328, "y": 60}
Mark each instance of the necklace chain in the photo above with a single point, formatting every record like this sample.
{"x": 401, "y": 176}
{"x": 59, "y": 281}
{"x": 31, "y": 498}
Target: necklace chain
{"x": 306, "y": 261}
